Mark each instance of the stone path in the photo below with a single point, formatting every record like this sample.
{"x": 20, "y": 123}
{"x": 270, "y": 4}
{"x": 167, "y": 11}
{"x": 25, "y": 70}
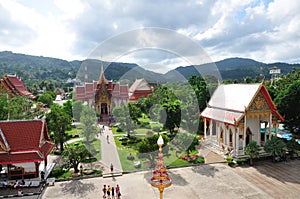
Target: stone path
{"x": 280, "y": 180}
{"x": 109, "y": 152}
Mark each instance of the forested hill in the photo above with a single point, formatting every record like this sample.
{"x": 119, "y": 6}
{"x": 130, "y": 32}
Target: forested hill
{"x": 34, "y": 69}
{"x": 233, "y": 69}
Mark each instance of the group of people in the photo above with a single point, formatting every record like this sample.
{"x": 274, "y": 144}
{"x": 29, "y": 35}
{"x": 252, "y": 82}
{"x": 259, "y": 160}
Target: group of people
{"x": 111, "y": 192}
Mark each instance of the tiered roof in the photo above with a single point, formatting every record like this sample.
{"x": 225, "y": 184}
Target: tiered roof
{"x": 24, "y": 141}
{"x": 13, "y": 85}
{"x": 229, "y": 103}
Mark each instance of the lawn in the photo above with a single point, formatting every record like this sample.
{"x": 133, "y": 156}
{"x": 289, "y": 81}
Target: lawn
{"x": 128, "y": 165}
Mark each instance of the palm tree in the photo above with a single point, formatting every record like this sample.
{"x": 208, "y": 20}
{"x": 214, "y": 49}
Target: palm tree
{"x": 252, "y": 149}
{"x": 276, "y": 147}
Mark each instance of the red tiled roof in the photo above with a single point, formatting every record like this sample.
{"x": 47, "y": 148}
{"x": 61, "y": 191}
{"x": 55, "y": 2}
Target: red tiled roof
{"x": 20, "y": 158}
{"x": 25, "y": 137}
{"x": 15, "y": 86}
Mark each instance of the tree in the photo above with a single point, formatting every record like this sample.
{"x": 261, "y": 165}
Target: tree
{"x": 276, "y": 147}
{"x": 252, "y": 149}
{"x": 121, "y": 114}
{"x": 58, "y": 121}
{"x": 67, "y": 107}
{"x": 186, "y": 142}
{"x": 3, "y": 106}
{"x": 46, "y": 98}
{"x": 148, "y": 148}
{"x": 17, "y": 107}
{"x": 88, "y": 121}
{"x": 75, "y": 154}
{"x": 77, "y": 109}
{"x": 173, "y": 115}
{"x": 289, "y": 105}
{"x": 134, "y": 111}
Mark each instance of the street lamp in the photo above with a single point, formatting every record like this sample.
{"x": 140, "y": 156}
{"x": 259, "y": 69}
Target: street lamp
{"x": 160, "y": 177}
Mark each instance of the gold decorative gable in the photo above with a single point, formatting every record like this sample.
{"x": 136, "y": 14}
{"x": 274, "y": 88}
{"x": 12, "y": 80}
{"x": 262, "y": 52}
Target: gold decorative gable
{"x": 259, "y": 103}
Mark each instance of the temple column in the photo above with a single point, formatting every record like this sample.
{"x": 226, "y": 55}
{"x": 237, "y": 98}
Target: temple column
{"x": 237, "y": 137}
{"x": 205, "y": 128}
{"x": 210, "y": 129}
{"x": 270, "y": 126}
{"x": 245, "y": 132}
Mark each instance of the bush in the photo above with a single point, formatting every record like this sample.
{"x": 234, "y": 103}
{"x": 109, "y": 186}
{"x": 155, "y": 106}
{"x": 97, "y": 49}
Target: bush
{"x": 190, "y": 158}
{"x": 156, "y": 129}
{"x": 241, "y": 161}
{"x": 119, "y": 130}
{"x": 57, "y": 172}
{"x": 149, "y": 133}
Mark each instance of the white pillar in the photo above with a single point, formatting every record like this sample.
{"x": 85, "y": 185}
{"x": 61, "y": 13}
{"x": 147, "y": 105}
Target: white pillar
{"x": 205, "y": 128}
{"x": 270, "y": 126}
{"x": 244, "y": 133}
{"x": 210, "y": 129}
{"x": 237, "y": 137}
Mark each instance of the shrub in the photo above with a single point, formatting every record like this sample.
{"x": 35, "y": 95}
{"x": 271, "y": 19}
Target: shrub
{"x": 57, "y": 172}
{"x": 190, "y": 158}
{"x": 241, "y": 161}
{"x": 156, "y": 128}
{"x": 149, "y": 133}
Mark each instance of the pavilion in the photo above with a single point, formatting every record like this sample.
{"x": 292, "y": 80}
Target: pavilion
{"x": 235, "y": 114}
{"x": 23, "y": 141}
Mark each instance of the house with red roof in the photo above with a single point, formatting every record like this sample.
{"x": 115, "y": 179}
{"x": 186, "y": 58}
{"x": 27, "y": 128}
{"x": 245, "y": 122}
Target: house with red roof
{"x": 140, "y": 88}
{"x": 238, "y": 114}
{"x": 13, "y": 85}
{"x": 24, "y": 141}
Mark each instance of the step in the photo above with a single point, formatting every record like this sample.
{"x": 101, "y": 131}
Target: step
{"x": 108, "y": 175}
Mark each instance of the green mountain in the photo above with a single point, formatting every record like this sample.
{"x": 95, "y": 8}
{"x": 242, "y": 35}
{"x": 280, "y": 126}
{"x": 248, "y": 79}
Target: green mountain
{"x": 231, "y": 69}
{"x": 36, "y": 69}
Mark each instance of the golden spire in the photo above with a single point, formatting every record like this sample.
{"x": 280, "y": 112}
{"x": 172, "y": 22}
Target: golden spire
{"x": 102, "y": 78}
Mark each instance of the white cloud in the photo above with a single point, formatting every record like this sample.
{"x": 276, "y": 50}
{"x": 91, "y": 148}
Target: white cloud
{"x": 260, "y": 29}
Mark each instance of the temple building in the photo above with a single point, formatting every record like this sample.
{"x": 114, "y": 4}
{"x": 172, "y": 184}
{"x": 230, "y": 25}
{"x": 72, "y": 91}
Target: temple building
{"x": 238, "y": 114}
{"x": 24, "y": 141}
{"x": 102, "y": 95}
{"x": 13, "y": 85}
{"x": 139, "y": 88}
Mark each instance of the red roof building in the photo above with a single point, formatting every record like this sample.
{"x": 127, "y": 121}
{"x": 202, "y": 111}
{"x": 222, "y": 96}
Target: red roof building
{"x": 103, "y": 95}
{"x": 235, "y": 114}
{"x": 24, "y": 141}
{"x": 139, "y": 88}
{"x": 13, "y": 85}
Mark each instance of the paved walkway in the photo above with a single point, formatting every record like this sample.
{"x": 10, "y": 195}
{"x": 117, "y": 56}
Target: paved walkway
{"x": 205, "y": 181}
{"x": 279, "y": 180}
{"x": 109, "y": 152}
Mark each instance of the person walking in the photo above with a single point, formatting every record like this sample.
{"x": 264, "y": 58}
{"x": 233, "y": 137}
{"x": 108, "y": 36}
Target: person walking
{"x": 112, "y": 192}
{"x": 108, "y": 192}
{"x": 111, "y": 168}
{"x": 104, "y": 191}
{"x": 118, "y": 192}
{"x": 107, "y": 138}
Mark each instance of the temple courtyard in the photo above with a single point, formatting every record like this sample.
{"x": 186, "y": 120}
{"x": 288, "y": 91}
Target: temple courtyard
{"x": 264, "y": 180}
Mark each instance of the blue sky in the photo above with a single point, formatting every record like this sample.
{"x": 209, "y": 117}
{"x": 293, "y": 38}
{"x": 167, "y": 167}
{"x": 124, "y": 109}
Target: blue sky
{"x": 266, "y": 31}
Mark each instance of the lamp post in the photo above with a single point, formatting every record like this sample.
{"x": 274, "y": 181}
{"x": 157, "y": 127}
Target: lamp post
{"x": 160, "y": 178}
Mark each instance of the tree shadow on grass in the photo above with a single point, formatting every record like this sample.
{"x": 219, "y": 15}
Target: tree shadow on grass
{"x": 206, "y": 170}
{"x": 77, "y": 188}
{"x": 176, "y": 178}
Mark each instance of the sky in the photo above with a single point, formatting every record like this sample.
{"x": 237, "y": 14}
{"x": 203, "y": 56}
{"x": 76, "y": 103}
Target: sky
{"x": 263, "y": 30}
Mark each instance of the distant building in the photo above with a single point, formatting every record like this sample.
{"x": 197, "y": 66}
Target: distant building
{"x": 235, "y": 114}
{"x": 275, "y": 73}
{"x": 13, "y": 85}
{"x": 139, "y": 88}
